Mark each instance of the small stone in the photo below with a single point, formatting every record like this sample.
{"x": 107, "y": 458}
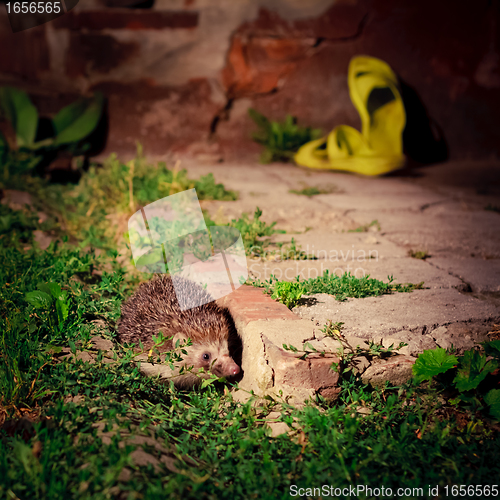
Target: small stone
{"x": 363, "y": 410}
{"x": 419, "y": 345}
{"x": 140, "y": 458}
{"x": 397, "y": 370}
{"x": 278, "y": 428}
{"x": 43, "y": 239}
{"x": 125, "y": 475}
{"x": 356, "y": 341}
{"x": 101, "y": 344}
{"x": 394, "y": 342}
{"x": 85, "y": 356}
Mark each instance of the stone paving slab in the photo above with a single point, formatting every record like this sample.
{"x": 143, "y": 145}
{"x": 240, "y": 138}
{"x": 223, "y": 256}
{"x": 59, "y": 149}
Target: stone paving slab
{"x": 385, "y": 315}
{"x": 402, "y": 270}
{"x": 482, "y": 275}
{"x": 442, "y": 231}
{"x": 383, "y": 198}
{"x": 346, "y": 246}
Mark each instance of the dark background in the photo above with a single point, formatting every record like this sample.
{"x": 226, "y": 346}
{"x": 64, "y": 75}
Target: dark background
{"x": 180, "y": 75}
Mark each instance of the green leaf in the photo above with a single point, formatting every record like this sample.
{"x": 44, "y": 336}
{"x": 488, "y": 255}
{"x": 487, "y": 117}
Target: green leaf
{"x": 69, "y": 114}
{"x": 21, "y": 113}
{"x": 76, "y": 121}
{"x": 62, "y": 308}
{"x": 39, "y": 299}
{"x": 492, "y": 348}
{"x": 473, "y": 370}
{"x": 492, "y": 398}
{"x": 52, "y": 289}
{"x": 55, "y": 349}
{"x": 208, "y": 381}
{"x": 432, "y": 362}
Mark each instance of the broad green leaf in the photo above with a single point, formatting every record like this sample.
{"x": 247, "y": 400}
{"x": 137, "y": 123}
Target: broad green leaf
{"x": 492, "y": 398}
{"x": 75, "y": 122}
{"x": 432, "y": 362}
{"x": 69, "y": 114}
{"x": 62, "y": 308}
{"x": 39, "y": 299}
{"x": 56, "y": 349}
{"x": 473, "y": 370}
{"x": 6, "y": 222}
{"x": 21, "y": 113}
{"x": 52, "y": 289}
{"x": 492, "y": 348}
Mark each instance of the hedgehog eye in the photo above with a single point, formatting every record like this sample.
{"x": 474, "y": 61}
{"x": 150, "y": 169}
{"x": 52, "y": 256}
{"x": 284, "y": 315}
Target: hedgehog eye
{"x": 206, "y": 356}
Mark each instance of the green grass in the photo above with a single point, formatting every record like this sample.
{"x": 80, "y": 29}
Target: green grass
{"x": 281, "y": 140}
{"x": 419, "y": 254}
{"x": 311, "y": 191}
{"x": 292, "y": 251}
{"x": 341, "y": 287}
{"x": 366, "y": 227}
{"x": 95, "y": 212}
{"x": 254, "y": 232}
{"x": 206, "y": 444}
{"x": 16, "y": 226}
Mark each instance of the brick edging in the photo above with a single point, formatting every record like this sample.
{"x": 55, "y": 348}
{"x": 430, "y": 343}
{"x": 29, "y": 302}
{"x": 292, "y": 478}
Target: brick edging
{"x": 248, "y": 303}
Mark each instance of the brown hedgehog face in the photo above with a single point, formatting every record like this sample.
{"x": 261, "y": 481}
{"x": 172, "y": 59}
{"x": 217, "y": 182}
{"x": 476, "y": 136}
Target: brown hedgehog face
{"x": 213, "y": 357}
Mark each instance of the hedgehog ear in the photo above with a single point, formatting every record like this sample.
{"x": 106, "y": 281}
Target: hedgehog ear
{"x": 179, "y": 336}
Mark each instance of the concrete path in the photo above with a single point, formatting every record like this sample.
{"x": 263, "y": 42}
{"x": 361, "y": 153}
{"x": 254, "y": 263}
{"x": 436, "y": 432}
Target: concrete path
{"x": 439, "y": 210}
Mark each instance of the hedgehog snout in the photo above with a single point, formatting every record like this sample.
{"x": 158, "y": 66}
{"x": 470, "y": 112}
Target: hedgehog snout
{"x": 226, "y": 367}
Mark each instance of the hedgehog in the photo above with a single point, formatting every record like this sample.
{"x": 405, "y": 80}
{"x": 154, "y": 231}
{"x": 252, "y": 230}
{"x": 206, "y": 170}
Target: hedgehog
{"x": 154, "y": 307}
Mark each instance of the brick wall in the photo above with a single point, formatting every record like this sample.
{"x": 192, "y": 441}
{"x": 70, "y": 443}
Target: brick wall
{"x": 180, "y": 74}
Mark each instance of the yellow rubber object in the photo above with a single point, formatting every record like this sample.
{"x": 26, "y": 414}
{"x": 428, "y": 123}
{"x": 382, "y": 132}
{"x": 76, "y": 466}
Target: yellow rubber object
{"x": 378, "y": 149}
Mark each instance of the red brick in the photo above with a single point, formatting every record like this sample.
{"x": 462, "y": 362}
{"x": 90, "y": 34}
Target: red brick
{"x": 24, "y": 54}
{"x": 330, "y": 393}
{"x": 97, "y": 51}
{"x": 248, "y": 303}
{"x": 310, "y": 373}
{"x": 322, "y": 374}
{"x": 256, "y": 65}
{"x": 190, "y": 104}
{"x": 132, "y": 20}
{"x": 339, "y": 22}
